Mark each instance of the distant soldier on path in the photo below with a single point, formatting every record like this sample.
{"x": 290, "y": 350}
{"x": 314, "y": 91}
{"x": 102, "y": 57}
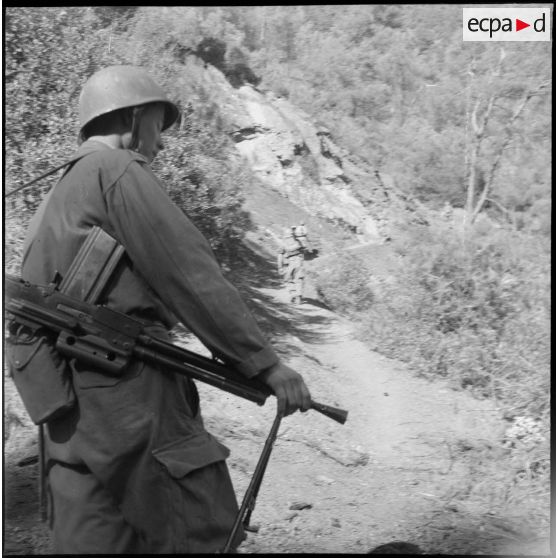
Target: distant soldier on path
{"x": 290, "y": 261}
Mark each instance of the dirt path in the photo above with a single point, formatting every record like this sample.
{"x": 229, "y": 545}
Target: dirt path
{"x": 398, "y": 470}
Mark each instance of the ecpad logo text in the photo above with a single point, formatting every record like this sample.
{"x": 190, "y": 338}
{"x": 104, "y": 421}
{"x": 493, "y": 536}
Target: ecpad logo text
{"x": 507, "y": 24}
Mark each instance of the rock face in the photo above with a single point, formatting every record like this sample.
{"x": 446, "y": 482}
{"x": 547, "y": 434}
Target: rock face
{"x": 290, "y": 154}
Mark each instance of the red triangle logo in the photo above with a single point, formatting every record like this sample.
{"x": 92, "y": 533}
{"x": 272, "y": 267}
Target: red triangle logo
{"x": 519, "y": 25}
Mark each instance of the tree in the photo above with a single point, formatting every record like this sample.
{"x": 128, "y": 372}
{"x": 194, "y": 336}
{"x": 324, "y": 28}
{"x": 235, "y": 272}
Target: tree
{"x": 480, "y": 182}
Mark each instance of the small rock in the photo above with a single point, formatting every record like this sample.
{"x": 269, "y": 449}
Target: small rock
{"x": 335, "y": 522}
{"x": 321, "y": 479}
{"x": 300, "y": 506}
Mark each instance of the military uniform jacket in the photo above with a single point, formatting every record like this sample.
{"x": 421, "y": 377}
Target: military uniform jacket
{"x": 141, "y": 434}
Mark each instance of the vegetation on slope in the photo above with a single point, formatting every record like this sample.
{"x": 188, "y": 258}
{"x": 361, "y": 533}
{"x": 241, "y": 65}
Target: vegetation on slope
{"x": 462, "y": 127}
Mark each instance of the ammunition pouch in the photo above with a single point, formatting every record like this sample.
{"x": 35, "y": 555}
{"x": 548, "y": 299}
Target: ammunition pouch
{"x": 41, "y": 375}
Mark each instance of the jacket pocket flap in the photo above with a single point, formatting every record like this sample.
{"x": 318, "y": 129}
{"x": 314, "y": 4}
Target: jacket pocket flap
{"x": 183, "y": 456}
{"x": 42, "y": 378}
{"x": 20, "y": 354}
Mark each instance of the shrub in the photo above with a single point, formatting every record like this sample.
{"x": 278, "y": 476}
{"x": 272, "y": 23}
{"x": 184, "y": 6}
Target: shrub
{"x": 342, "y": 283}
{"x": 476, "y": 312}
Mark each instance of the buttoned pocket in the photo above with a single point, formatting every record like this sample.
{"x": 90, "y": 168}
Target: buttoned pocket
{"x": 40, "y": 374}
{"x": 182, "y": 457}
{"x": 201, "y": 496}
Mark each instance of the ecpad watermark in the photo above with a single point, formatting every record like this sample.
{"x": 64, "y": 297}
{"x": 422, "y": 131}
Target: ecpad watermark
{"x": 507, "y": 24}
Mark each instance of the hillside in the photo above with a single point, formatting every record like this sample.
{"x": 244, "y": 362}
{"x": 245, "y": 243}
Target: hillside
{"x": 421, "y": 166}
{"x": 416, "y": 462}
{"x": 292, "y": 156}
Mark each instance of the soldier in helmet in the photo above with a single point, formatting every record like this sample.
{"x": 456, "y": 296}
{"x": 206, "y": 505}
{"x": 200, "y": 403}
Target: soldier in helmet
{"x": 290, "y": 261}
{"x": 301, "y": 233}
{"x": 131, "y": 468}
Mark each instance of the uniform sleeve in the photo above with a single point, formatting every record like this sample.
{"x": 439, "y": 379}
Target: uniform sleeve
{"x": 177, "y": 262}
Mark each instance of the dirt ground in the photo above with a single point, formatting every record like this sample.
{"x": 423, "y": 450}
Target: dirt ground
{"x": 402, "y": 468}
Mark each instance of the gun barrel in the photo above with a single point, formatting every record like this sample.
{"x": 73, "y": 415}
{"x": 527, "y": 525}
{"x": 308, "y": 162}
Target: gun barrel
{"x": 249, "y": 500}
{"x": 207, "y": 369}
{"x": 205, "y": 375}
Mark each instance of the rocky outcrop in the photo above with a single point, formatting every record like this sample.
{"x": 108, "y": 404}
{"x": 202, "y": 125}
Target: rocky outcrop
{"x": 290, "y": 154}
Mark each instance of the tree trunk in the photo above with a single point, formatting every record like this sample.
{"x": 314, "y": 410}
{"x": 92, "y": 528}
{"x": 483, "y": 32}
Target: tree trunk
{"x": 498, "y": 158}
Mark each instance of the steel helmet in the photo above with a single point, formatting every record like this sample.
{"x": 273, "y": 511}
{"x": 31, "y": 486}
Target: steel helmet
{"x": 117, "y": 87}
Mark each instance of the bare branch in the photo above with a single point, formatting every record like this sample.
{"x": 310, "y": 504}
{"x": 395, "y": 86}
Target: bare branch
{"x": 488, "y": 111}
{"x": 474, "y": 123}
{"x": 498, "y": 69}
{"x": 507, "y": 140}
{"x": 507, "y": 212}
{"x": 498, "y": 205}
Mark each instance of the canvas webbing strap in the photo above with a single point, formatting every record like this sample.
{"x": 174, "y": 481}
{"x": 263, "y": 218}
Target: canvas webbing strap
{"x": 51, "y": 171}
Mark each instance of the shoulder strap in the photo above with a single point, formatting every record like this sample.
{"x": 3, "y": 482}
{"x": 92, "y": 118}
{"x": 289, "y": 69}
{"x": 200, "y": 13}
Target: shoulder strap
{"x": 68, "y": 164}
{"x": 52, "y": 171}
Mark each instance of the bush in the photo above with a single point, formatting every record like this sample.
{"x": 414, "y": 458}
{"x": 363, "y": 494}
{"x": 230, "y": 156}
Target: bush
{"x": 342, "y": 283}
{"x": 476, "y": 312}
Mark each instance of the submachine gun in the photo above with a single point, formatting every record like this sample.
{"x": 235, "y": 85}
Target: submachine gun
{"x": 109, "y": 340}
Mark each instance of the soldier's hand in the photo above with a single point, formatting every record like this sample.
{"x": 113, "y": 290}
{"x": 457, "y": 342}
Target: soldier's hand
{"x": 289, "y": 388}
